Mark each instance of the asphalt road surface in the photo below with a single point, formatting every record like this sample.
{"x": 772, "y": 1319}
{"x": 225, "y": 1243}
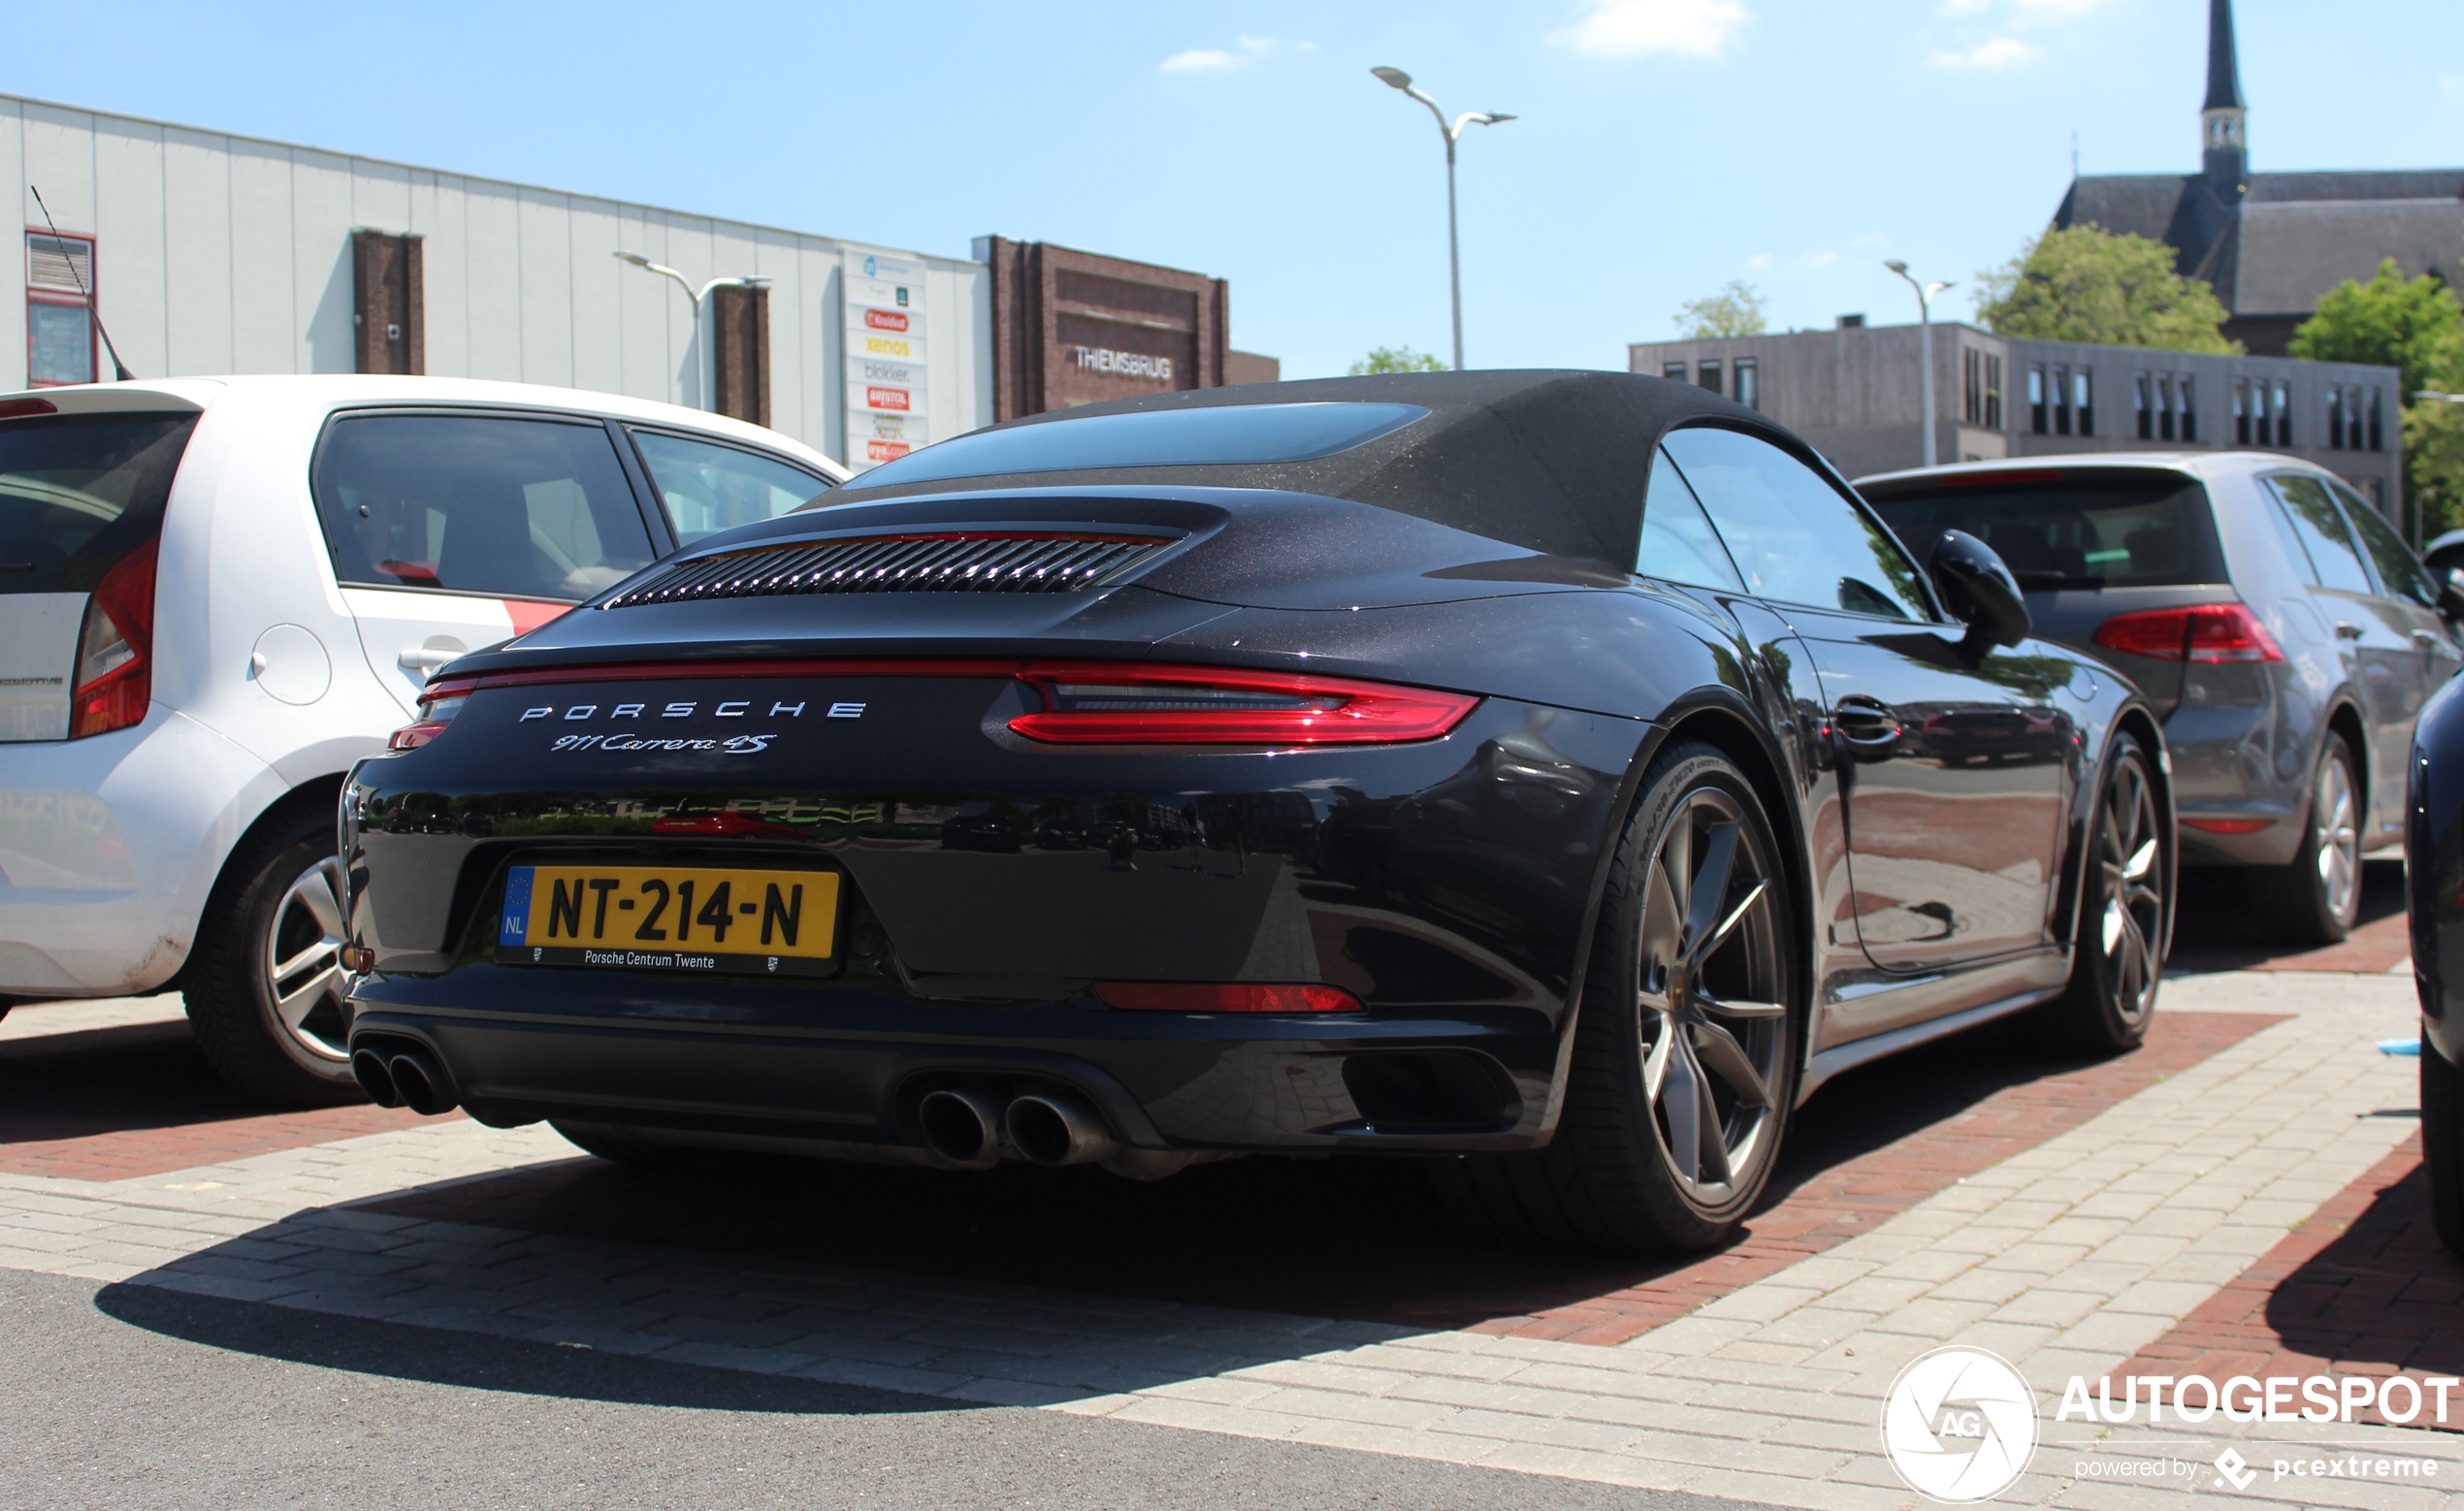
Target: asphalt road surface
{"x": 129, "y": 1397}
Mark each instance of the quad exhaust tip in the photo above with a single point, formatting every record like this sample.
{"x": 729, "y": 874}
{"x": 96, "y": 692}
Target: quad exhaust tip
{"x": 368, "y": 1068}
{"x": 961, "y": 1128}
{"x": 418, "y": 1082}
{"x": 1053, "y": 1130}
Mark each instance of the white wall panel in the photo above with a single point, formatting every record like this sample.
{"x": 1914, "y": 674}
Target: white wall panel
{"x": 197, "y": 253}
{"x": 12, "y": 310}
{"x": 599, "y": 352}
{"x": 640, "y": 308}
{"x": 321, "y": 261}
{"x": 59, "y": 161}
{"x": 546, "y": 287}
{"x": 380, "y": 195}
{"x": 444, "y": 261}
{"x": 492, "y": 257}
{"x": 128, "y": 172}
{"x": 263, "y": 314}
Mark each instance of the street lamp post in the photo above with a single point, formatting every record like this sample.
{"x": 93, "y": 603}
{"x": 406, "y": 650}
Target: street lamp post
{"x": 1924, "y": 345}
{"x": 1397, "y": 79}
{"x": 706, "y": 369}
{"x": 2435, "y": 396}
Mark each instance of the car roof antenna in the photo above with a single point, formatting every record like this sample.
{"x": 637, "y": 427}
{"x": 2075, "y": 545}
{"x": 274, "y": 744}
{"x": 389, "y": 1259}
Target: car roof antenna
{"x": 118, "y": 366}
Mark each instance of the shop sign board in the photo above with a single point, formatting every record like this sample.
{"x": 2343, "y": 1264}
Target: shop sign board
{"x": 882, "y": 319}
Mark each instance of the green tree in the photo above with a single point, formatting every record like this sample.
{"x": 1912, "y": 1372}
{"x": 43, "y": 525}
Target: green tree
{"x": 1734, "y": 308}
{"x": 1396, "y": 359}
{"x": 2087, "y": 284}
{"x": 2417, "y": 327}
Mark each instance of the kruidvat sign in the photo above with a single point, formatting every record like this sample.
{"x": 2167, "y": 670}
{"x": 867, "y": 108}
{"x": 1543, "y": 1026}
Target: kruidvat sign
{"x": 1128, "y": 364}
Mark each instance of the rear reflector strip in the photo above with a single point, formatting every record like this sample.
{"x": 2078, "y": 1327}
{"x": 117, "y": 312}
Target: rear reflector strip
{"x": 939, "y": 561}
{"x": 2228, "y": 826}
{"x": 1232, "y": 997}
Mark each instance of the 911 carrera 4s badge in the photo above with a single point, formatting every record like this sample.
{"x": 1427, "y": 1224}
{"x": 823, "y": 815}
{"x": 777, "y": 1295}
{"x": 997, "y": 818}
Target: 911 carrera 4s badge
{"x": 694, "y": 918}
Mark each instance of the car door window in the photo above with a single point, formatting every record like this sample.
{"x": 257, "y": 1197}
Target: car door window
{"x": 508, "y": 507}
{"x": 1795, "y": 539}
{"x": 2335, "y": 561}
{"x": 1678, "y": 544}
{"x": 706, "y": 487}
{"x": 2397, "y": 566}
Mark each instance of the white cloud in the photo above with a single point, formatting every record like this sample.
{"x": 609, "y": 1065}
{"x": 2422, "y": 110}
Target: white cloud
{"x": 1759, "y": 260}
{"x": 1216, "y": 60}
{"x": 1962, "y": 6}
{"x": 1871, "y": 241}
{"x": 2047, "y": 13}
{"x": 1822, "y": 259}
{"x": 1997, "y": 53}
{"x": 1639, "y": 28}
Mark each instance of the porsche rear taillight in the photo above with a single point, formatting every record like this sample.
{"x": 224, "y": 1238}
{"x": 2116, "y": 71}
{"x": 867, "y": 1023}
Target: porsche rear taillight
{"x": 2210, "y": 633}
{"x": 439, "y": 702}
{"x": 1114, "y": 703}
{"x": 1227, "y": 997}
{"x": 115, "y": 649}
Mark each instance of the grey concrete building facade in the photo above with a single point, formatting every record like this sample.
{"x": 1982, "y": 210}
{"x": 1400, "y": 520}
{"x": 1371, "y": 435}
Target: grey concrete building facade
{"x": 1855, "y": 394}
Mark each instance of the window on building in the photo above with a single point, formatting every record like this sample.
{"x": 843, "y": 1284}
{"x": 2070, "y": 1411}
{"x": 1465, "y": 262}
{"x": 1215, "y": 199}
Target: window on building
{"x": 2378, "y": 424}
{"x": 2335, "y": 417}
{"x": 2036, "y": 400}
{"x": 2281, "y": 399}
{"x": 2355, "y": 436}
{"x": 2142, "y": 408}
{"x": 2186, "y": 402}
{"x": 60, "y": 322}
{"x": 2241, "y": 412}
{"x": 2061, "y": 401}
{"x": 2083, "y": 398}
{"x": 1709, "y": 376}
{"x": 1745, "y": 382}
{"x": 1993, "y": 393}
{"x": 1674, "y": 371}
{"x": 1971, "y": 385}
{"x": 2164, "y": 405}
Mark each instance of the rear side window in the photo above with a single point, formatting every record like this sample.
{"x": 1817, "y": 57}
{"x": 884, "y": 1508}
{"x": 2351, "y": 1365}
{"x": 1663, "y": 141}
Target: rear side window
{"x": 1678, "y": 544}
{"x": 706, "y": 487}
{"x": 513, "y": 508}
{"x": 78, "y": 494}
{"x": 2320, "y": 536}
{"x": 2066, "y": 530}
{"x": 2398, "y": 567}
{"x": 1792, "y": 534}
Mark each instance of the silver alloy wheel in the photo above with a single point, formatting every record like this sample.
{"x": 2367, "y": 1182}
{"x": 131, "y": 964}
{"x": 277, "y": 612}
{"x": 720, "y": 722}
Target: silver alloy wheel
{"x": 304, "y": 975}
{"x": 2333, "y": 821}
{"x": 2129, "y": 855}
{"x": 1713, "y": 1026}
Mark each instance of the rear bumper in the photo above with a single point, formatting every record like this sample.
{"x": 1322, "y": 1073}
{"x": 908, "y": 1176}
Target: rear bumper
{"x": 107, "y": 848}
{"x": 847, "y": 1065}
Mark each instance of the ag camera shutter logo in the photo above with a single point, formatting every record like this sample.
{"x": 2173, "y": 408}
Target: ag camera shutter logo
{"x": 1959, "y": 1425}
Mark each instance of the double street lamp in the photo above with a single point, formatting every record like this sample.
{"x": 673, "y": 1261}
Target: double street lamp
{"x": 707, "y": 369}
{"x": 1397, "y": 79}
{"x": 1924, "y": 345}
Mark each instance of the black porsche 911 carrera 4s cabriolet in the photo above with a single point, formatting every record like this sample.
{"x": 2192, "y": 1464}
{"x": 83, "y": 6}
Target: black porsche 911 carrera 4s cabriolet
{"x": 1558, "y": 774}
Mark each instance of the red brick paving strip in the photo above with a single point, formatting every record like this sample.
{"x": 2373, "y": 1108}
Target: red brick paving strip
{"x": 125, "y": 1153}
{"x": 1851, "y": 1197}
{"x": 2362, "y": 1287}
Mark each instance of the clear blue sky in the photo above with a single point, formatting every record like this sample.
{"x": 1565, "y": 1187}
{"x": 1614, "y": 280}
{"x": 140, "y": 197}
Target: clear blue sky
{"x": 1665, "y": 145}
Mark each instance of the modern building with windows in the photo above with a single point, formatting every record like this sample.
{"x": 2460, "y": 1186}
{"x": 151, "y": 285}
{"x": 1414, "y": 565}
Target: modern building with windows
{"x": 2273, "y": 244}
{"x": 1857, "y": 394}
{"x": 209, "y": 253}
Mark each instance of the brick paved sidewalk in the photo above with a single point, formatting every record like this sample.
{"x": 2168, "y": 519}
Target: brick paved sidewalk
{"x": 2068, "y": 1257}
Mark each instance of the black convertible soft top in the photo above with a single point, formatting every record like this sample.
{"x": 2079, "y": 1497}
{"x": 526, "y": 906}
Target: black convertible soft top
{"x": 1552, "y": 461}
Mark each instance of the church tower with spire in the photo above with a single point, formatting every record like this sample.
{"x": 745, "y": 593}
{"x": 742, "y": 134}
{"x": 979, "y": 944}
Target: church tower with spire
{"x": 2224, "y": 152}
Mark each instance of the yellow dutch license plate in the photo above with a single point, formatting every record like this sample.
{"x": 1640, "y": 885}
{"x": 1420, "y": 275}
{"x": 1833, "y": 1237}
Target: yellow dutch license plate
{"x": 690, "y": 919}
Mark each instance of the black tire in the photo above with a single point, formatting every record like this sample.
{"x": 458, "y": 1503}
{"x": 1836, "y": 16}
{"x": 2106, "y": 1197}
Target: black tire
{"x": 2443, "y": 1145}
{"x": 2317, "y": 899}
{"x": 283, "y": 1040}
{"x": 1677, "y": 1019}
{"x": 2126, "y": 910}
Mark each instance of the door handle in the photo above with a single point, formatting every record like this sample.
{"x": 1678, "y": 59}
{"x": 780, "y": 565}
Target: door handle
{"x": 2346, "y": 629}
{"x": 1866, "y": 728}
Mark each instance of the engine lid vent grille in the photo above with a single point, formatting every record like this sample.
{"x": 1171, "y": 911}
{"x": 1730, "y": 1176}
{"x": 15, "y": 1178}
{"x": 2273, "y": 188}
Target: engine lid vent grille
{"x": 941, "y": 561}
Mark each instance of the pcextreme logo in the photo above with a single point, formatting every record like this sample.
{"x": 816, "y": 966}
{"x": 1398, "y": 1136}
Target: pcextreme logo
{"x": 1959, "y": 1425}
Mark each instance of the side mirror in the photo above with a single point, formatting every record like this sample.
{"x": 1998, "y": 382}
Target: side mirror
{"x": 2451, "y": 593}
{"x": 1979, "y": 590}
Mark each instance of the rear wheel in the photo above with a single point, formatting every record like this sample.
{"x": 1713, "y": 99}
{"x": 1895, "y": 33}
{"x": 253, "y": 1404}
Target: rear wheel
{"x": 263, "y": 983}
{"x": 1684, "y": 1063}
{"x": 2317, "y": 898}
{"x": 2125, "y": 909}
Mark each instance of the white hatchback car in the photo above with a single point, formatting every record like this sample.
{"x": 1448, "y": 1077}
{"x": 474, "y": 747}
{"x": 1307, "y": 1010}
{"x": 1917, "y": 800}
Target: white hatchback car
{"x": 217, "y": 593}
